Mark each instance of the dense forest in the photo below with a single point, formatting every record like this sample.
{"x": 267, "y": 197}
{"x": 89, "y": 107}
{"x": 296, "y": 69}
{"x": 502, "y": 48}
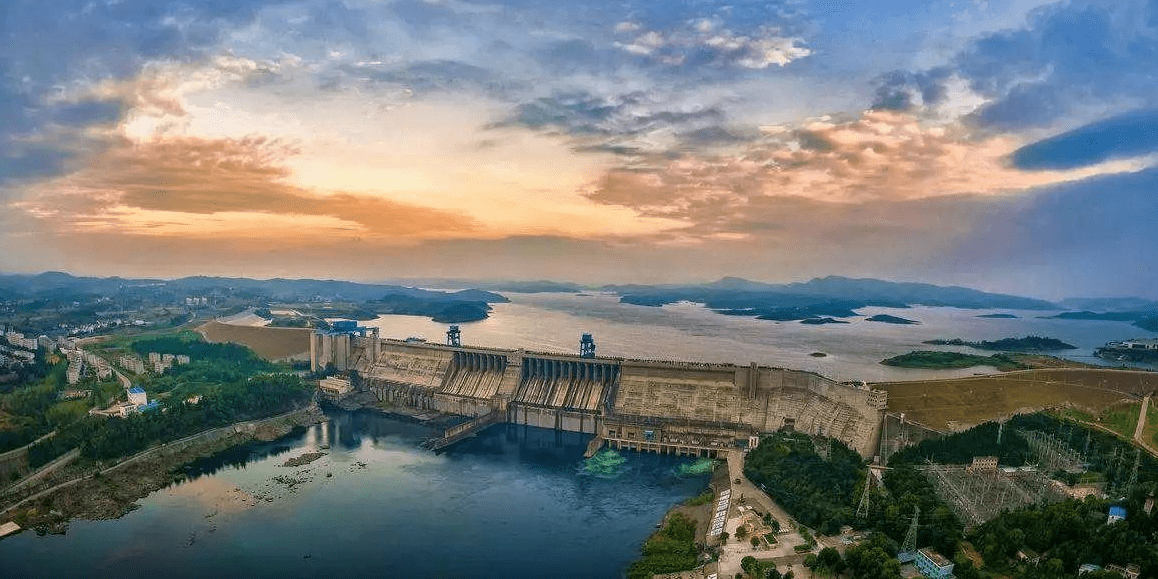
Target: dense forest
{"x": 235, "y": 384}
{"x": 26, "y": 404}
{"x": 814, "y": 489}
{"x": 823, "y": 493}
{"x": 209, "y": 363}
{"x": 1067, "y": 535}
{"x": 102, "y": 438}
{"x": 874, "y": 558}
{"x": 961, "y": 447}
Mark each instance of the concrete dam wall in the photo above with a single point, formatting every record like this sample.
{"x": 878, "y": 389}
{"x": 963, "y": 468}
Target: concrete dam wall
{"x": 641, "y": 404}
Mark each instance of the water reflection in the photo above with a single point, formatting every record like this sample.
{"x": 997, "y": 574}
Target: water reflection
{"x": 510, "y": 502}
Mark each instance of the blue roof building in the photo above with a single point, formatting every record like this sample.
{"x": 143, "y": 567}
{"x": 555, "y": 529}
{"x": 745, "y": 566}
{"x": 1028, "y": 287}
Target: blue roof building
{"x": 1116, "y": 514}
{"x": 138, "y": 397}
{"x": 932, "y": 565}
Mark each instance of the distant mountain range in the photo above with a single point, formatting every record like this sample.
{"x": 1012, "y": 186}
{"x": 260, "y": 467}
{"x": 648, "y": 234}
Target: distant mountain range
{"x": 829, "y": 296}
{"x": 40, "y": 285}
{"x": 832, "y": 296}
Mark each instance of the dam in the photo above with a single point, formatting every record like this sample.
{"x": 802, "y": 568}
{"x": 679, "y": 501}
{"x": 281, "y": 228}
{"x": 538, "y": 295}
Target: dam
{"x": 648, "y": 405}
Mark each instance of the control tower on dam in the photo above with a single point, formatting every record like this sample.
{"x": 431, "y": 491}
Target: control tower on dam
{"x": 665, "y": 406}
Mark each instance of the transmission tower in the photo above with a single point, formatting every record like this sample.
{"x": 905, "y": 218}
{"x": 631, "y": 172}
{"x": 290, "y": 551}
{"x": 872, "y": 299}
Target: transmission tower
{"x": 909, "y": 548}
{"x": 1134, "y": 471}
{"x": 1000, "y": 427}
{"x": 863, "y": 509}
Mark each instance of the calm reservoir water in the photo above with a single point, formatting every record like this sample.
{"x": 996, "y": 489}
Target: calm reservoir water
{"x": 687, "y": 331}
{"x": 512, "y": 502}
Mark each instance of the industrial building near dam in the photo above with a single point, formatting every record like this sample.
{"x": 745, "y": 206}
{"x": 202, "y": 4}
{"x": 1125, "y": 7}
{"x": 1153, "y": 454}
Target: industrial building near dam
{"x": 648, "y": 405}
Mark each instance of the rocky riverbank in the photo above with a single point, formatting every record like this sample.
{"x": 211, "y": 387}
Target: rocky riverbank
{"x": 367, "y": 402}
{"x": 113, "y": 492}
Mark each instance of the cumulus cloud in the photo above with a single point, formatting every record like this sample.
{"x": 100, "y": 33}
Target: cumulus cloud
{"x": 706, "y": 42}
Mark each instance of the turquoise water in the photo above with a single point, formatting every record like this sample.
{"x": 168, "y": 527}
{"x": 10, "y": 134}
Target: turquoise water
{"x": 512, "y": 502}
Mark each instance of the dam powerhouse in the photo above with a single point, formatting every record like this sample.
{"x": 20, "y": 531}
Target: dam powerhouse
{"x": 661, "y": 406}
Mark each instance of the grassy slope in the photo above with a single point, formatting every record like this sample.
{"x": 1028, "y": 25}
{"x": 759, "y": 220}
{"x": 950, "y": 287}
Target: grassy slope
{"x": 977, "y": 399}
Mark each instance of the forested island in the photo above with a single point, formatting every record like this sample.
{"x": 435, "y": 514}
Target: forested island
{"x": 1147, "y": 320}
{"x": 444, "y": 311}
{"x": 939, "y": 360}
{"x": 887, "y": 319}
{"x": 822, "y": 321}
{"x": 1026, "y": 344}
{"x": 999, "y": 316}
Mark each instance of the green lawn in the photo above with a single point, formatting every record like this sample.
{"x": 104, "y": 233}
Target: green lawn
{"x": 1121, "y": 419}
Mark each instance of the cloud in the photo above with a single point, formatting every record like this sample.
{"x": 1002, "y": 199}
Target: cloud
{"x": 1084, "y": 238}
{"x": 51, "y": 46}
{"x": 423, "y": 78}
{"x": 880, "y": 157}
{"x": 1070, "y": 63}
{"x": 905, "y": 91}
{"x": 705, "y": 42}
{"x": 1122, "y": 136}
{"x": 188, "y": 187}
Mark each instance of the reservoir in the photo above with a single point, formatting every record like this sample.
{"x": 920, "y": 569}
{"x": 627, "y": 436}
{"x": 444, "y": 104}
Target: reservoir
{"x": 553, "y": 322}
{"x": 512, "y": 502}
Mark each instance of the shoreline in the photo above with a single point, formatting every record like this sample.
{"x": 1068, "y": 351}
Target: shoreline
{"x": 113, "y": 492}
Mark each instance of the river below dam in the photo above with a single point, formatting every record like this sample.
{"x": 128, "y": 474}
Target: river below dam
{"x": 686, "y": 331}
{"x": 511, "y": 502}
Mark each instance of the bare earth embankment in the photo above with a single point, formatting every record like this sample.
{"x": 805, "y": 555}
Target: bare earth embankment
{"x": 269, "y": 343}
{"x": 954, "y": 403}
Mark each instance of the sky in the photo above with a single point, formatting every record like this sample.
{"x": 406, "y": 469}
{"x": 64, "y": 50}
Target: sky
{"x": 1009, "y": 146}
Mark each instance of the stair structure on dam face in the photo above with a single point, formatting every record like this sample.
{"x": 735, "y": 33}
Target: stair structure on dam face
{"x": 679, "y": 407}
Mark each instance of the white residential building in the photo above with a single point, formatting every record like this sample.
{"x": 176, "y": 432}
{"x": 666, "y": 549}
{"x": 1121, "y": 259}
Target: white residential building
{"x": 132, "y": 364}
{"x": 137, "y": 397}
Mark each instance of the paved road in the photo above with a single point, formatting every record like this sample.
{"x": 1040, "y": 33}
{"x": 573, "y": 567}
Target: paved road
{"x": 1142, "y": 420}
{"x": 744, "y": 493}
{"x": 124, "y": 380}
